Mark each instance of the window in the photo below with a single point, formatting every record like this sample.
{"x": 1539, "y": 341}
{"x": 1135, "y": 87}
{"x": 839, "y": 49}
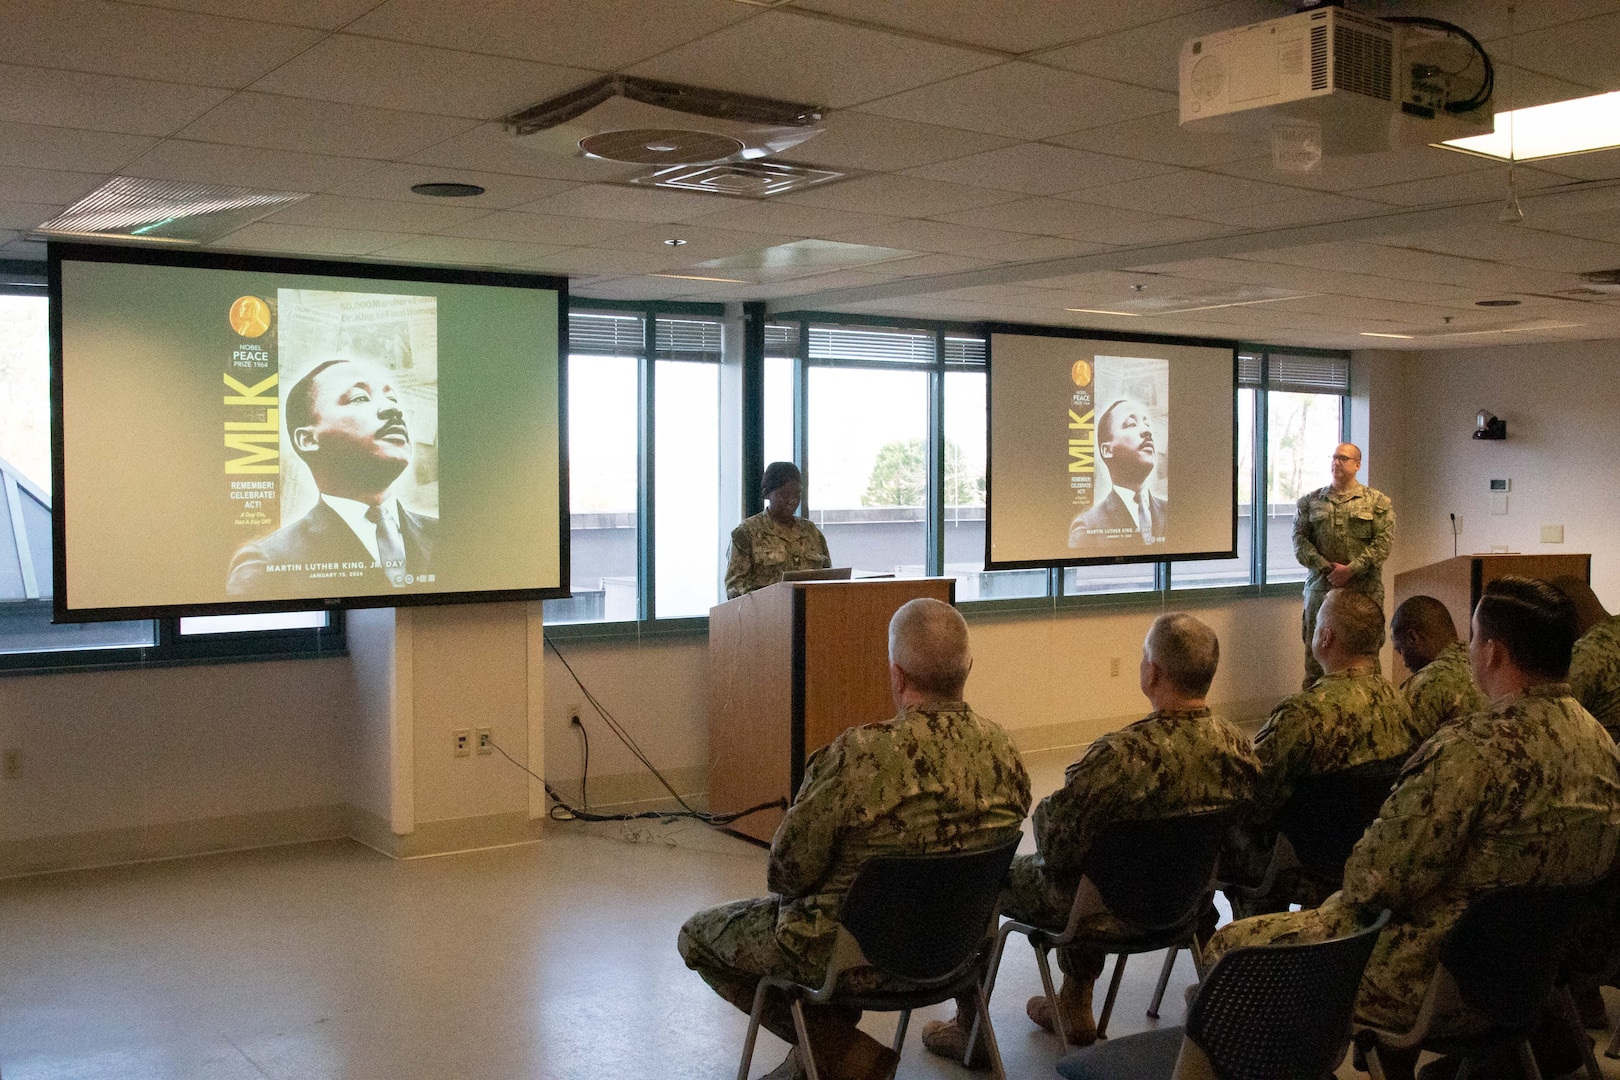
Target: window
{"x": 781, "y": 362}
{"x": 1305, "y": 420}
{"x": 29, "y": 641}
{"x": 686, "y": 392}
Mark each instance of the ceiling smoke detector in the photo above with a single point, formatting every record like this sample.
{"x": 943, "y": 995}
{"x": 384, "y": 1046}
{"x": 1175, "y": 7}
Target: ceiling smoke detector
{"x": 649, "y": 122}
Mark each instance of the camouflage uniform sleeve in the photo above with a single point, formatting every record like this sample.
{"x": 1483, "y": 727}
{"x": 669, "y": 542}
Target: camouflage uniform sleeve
{"x": 1304, "y": 548}
{"x": 1377, "y": 550}
{"x": 1423, "y": 829}
{"x": 739, "y": 563}
{"x": 1068, "y": 820}
{"x": 806, "y": 842}
{"x": 822, "y": 558}
{"x": 1283, "y": 746}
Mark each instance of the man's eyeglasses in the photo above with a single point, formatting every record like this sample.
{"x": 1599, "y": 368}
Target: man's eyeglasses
{"x": 1345, "y": 458}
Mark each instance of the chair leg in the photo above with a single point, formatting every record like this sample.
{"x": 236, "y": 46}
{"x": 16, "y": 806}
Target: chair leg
{"x": 1527, "y": 1061}
{"x": 753, "y": 1030}
{"x": 1375, "y": 1067}
{"x": 1572, "y": 1020}
{"x": 807, "y": 1057}
{"x": 1113, "y": 992}
{"x": 982, "y": 1022}
{"x": 900, "y": 1030}
{"x": 1164, "y": 980}
{"x": 990, "y": 971}
{"x": 1051, "y": 996}
{"x": 1613, "y": 1049}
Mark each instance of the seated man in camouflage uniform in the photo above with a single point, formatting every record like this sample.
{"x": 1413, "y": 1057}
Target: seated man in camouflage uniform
{"x": 1441, "y": 687}
{"x": 1180, "y": 759}
{"x": 1526, "y": 793}
{"x": 1594, "y": 666}
{"x": 1350, "y": 716}
{"x": 935, "y": 778}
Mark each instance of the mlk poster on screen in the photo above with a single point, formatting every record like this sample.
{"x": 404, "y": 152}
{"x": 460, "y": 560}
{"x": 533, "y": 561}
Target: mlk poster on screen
{"x": 1116, "y": 452}
{"x": 330, "y": 466}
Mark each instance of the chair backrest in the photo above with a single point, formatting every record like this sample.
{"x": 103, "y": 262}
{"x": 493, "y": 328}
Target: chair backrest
{"x": 1277, "y": 1012}
{"x": 1155, "y": 872}
{"x": 1328, "y": 814}
{"x": 922, "y": 917}
{"x": 1505, "y": 951}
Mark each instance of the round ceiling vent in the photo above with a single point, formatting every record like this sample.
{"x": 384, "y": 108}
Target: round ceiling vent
{"x": 660, "y": 146}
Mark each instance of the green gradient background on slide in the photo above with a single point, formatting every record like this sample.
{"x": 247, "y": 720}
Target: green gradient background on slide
{"x": 145, "y": 495}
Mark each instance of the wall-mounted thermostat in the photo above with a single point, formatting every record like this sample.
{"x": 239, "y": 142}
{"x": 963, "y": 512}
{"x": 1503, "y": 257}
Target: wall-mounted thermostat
{"x": 1501, "y": 485}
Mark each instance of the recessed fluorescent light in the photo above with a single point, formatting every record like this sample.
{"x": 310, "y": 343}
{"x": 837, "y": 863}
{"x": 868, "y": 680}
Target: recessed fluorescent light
{"x": 1511, "y": 330}
{"x": 1238, "y": 303}
{"x": 1104, "y": 311}
{"x": 1544, "y": 131}
{"x": 696, "y": 277}
{"x": 1369, "y": 333}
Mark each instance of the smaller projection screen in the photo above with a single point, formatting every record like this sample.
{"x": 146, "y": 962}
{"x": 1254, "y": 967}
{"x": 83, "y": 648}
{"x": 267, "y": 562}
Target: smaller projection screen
{"x": 237, "y": 434}
{"x": 1110, "y": 450}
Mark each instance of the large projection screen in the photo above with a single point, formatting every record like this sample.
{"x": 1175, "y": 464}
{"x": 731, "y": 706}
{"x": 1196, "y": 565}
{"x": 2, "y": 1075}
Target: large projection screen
{"x": 1109, "y": 449}
{"x": 237, "y": 434}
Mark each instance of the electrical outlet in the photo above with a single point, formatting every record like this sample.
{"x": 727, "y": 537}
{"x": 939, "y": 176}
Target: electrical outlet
{"x": 574, "y": 712}
{"x": 486, "y": 741}
{"x": 463, "y": 741}
{"x": 1113, "y": 667}
{"x": 13, "y": 763}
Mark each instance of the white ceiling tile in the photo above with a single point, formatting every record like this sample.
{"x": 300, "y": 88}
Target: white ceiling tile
{"x": 1185, "y": 191}
{"x": 604, "y": 35}
{"x": 1165, "y": 230}
{"x": 1480, "y": 185}
{"x": 1039, "y": 248}
{"x": 502, "y": 191}
{"x": 1017, "y": 26}
{"x": 597, "y": 262}
{"x": 32, "y": 95}
{"x": 1149, "y": 55}
{"x": 380, "y": 215}
{"x": 540, "y": 228}
{"x": 1598, "y": 165}
{"x": 45, "y": 185}
{"x": 1583, "y": 52}
{"x": 465, "y": 251}
{"x": 1304, "y": 210}
{"x": 273, "y": 122}
{"x": 784, "y": 54}
{"x": 1344, "y": 173}
{"x": 26, "y": 215}
{"x": 320, "y": 14}
{"x": 631, "y": 288}
{"x": 1046, "y": 217}
{"x": 789, "y": 219}
{"x": 627, "y": 203}
{"x": 1027, "y": 101}
{"x": 1161, "y": 138}
{"x": 35, "y": 146}
{"x": 1492, "y": 19}
{"x": 396, "y": 75}
{"x": 242, "y": 166}
{"x": 903, "y": 196}
{"x": 488, "y": 147}
{"x": 701, "y": 244}
{"x": 1518, "y": 88}
{"x": 862, "y": 140}
{"x": 1515, "y": 246}
{"x": 935, "y": 236}
{"x": 1037, "y": 169}
{"x": 107, "y": 38}
{"x": 26, "y": 250}
{"x": 298, "y": 239}
{"x": 929, "y": 265}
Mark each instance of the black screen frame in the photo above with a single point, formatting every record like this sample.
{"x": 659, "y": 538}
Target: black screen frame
{"x": 132, "y": 254}
{"x": 1080, "y": 333}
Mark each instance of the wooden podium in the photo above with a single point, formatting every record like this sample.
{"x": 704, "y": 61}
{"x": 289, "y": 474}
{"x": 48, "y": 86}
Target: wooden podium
{"x": 1458, "y": 582}
{"x": 790, "y": 667}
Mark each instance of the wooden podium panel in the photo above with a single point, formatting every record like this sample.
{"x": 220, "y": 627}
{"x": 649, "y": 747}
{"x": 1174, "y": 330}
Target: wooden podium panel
{"x": 1458, "y": 582}
{"x": 790, "y": 667}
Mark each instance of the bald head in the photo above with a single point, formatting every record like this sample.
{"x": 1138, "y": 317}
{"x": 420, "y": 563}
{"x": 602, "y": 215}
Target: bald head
{"x": 1352, "y": 624}
{"x": 1420, "y": 630}
{"x": 928, "y": 642}
{"x": 1185, "y": 651}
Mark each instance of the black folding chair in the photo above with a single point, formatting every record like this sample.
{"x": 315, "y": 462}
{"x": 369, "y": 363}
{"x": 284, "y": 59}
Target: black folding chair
{"x": 1320, "y": 825}
{"x": 1154, "y": 876}
{"x": 1269, "y": 1012}
{"x": 921, "y": 921}
{"x": 1499, "y": 967}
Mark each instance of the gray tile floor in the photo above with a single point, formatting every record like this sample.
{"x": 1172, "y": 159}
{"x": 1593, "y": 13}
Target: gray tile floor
{"x": 553, "y": 961}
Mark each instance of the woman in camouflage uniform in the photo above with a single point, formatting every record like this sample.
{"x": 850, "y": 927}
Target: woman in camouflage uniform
{"x": 774, "y": 541}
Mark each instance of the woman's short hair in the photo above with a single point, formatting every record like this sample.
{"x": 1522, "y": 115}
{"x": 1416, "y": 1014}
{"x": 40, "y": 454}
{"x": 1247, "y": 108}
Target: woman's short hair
{"x": 778, "y": 473}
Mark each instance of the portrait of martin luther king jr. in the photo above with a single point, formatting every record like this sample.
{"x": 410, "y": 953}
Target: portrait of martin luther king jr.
{"x": 345, "y": 422}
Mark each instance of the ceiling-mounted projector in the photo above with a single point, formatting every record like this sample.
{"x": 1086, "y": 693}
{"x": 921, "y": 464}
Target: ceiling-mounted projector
{"x": 1362, "y": 84}
{"x": 648, "y": 122}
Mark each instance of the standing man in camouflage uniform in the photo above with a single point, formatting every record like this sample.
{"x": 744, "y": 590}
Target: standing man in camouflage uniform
{"x": 1441, "y": 687}
{"x": 1350, "y": 716}
{"x": 1527, "y": 793}
{"x": 1179, "y": 759}
{"x": 1594, "y": 667}
{"x": 775, "y": 540}
{"x": 1342, "y": 534}
{"x": 935, "y": 778}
